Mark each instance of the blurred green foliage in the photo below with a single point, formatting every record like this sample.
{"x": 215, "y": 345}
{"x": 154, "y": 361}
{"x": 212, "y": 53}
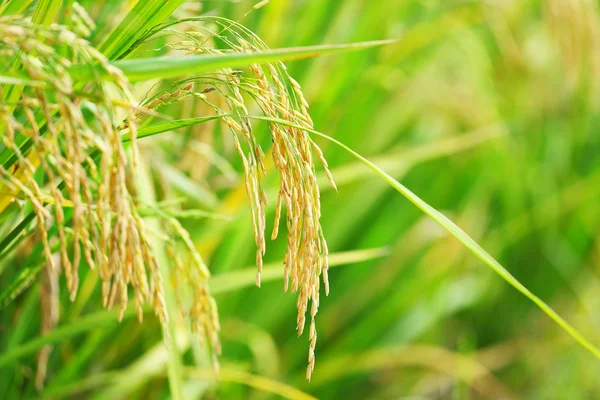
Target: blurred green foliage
{"x": 486, "y": 110}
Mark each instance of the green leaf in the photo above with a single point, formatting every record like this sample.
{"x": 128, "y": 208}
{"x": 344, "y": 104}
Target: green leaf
{"x": 145, "y": 15}
{"x": 63, "y": 333}
{"x": 263, "y": 383}
{"x": 13, "y": 7}
{"x": 45, "y": 11}
{"x": 162, "y": 127}
{"x": 145, "y": 191}
{"x": 174, "y": 66}
{"x": 12, "y": 80}
{"x": 21, "y": 282}
{"x": 246, "y": 277}
{"x": 455, "y": 231}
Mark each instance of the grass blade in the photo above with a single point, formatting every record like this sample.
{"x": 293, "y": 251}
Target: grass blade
{"x": 162, "y": 127}
{"x": 46, "y": 11}
{"x": 262, "y": 383}
{"x": 171, "y": 67}
{"x": 13, "y": 80}
{"x": 144, "y": 16}
{"x": 63, "y": 333}
{"x": 13, "y": 7}
{"x": 246, "y": 277}
{"x": 458, "y": 233}
{"x": 146, "y": 193}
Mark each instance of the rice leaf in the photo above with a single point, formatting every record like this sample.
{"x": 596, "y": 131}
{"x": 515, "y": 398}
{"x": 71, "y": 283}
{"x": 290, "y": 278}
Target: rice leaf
{"x": 171, "y": 67}
{"x": 142, "y": 17}
{"x": 63, "y": 333}
{"x": 459, "y": 234}
{"x": 13, "y": 7}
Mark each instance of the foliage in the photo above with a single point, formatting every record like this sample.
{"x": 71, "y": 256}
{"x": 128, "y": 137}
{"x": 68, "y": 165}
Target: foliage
{"x": 147, "y": 146}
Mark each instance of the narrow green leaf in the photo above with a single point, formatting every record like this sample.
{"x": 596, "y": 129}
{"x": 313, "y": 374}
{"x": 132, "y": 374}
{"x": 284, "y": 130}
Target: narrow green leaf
{"x": 193, "y": 190}
{"x": 61, "y": 334}
{"x": 145, "y": 15}
{"x": 30, "y": 267}
{"x": 7, "y": 241}
{"x": 145, "y": 191}
{"x": 458, "y": 233}
{"x": 12, "y": 80}
{"x": 246, "y": 277}
{"x": 13, "y": 7}
{"x": 162, "y": 127}
{"x": 45, "y": 11}
{"x": 22, "y": 281}
{"x": 263, "y": 383}
{"x": 171, "y": 67}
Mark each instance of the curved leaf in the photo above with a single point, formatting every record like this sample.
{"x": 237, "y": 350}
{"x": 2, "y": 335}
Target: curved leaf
{"x": 458, "y": 233}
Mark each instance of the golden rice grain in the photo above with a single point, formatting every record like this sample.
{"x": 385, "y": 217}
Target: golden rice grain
{"x": 103, "y": 226}
{"x": 279, "y": 96}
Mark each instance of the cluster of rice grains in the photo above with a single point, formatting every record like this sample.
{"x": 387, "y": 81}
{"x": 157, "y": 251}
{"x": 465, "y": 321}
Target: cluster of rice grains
{"x": 280, "y": 97}
{"x": 191, "y": 274}
{"x": 306, "y": 255}
{"x": 69, "y": 132}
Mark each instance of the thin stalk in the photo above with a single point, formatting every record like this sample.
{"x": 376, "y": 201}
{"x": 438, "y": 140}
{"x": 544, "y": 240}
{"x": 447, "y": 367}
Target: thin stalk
{"x": 145, "y": 192}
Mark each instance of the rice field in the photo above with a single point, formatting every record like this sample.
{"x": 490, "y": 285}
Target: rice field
{"x": 299, "y": 199}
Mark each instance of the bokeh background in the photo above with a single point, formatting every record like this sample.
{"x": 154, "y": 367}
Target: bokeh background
{"x": 489, "y": 111}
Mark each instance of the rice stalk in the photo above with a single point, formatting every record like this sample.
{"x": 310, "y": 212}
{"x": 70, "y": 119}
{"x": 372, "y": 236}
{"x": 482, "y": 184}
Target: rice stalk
{"x": 279, "y": 96}
{"x": 74, "y": 135}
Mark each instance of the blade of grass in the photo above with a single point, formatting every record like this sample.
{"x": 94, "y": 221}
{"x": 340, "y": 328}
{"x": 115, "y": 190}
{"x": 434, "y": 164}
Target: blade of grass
{"x": 20, "y": 329}
{"x": 239, "y": 279}
{"x": 46, "y": 11}
{"x": 14, "y": 234}
{"x": 399, "y": 162}
{"x": 161, "y": 127}
{"x": 21, "y": 282}
{"x": 88, "y": 383}
{"x": 13, "y": 7}
{"x": 97, "y": 320}
{"x": 151, "y": 364}
{"x": 14, "y": 80}
{"x": 143, "y": 16}
{"x": 226, "y": 375}
{"x": 458, "y": 233}
{"x": 86, "y": 352}
{"x": 255, "y": 381}
{"x": 171, "y": 67}
{"x": 145, "y": 189}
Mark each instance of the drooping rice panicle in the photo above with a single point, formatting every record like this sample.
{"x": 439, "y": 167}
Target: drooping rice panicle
{"x": 278, "y": 96}
{"x": 82, "y": 160}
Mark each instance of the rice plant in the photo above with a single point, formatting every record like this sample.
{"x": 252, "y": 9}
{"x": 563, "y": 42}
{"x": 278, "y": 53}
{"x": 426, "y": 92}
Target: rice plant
{"x": 148, "y": 148}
